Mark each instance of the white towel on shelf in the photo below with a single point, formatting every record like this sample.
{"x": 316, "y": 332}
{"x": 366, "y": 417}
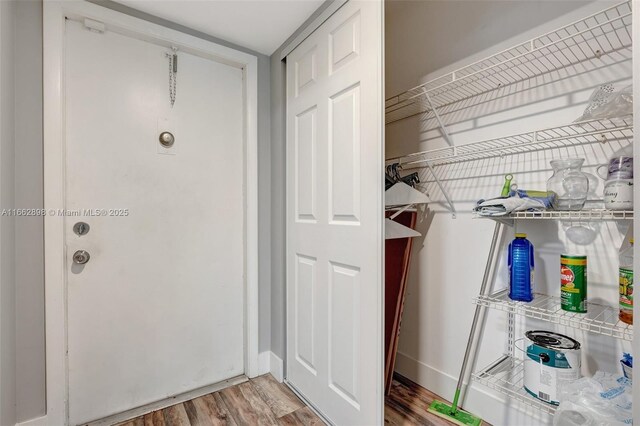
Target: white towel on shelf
{"x": 503, "y": 206}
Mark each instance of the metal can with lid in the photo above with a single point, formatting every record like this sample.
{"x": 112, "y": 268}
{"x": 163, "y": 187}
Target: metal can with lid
{"x": 551, "y": 360}
{"x": 573, "y": 283}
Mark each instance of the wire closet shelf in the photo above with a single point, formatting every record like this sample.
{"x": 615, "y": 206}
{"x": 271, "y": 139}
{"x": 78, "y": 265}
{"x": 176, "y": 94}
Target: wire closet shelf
{"x": 599, "y": 319}
{"x": 506, "y": 375}
{"x": 582, "y": 133}
{"x": 601, "y": 39}
{"x": 579, "y": 215}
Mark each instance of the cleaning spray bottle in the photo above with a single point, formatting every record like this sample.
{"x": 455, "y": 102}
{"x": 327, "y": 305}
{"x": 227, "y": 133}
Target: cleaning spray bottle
{"x": 626, "y": 284}
{"x": 521, "y": 269}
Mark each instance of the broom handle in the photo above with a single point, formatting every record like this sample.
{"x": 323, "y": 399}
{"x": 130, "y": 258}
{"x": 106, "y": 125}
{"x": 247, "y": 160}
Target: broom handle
{"x": 476, "y": 315}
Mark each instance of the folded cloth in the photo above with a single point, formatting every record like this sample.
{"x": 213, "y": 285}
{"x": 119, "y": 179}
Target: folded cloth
{"x": 543, "y": 196}
{"x": 502, "y": 206}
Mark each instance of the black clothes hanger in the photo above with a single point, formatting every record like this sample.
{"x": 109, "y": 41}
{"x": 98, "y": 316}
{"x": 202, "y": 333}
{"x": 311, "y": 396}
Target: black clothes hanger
{"x": 392, "y": 176}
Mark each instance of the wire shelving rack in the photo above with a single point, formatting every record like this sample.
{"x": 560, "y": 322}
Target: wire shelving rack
{"x": 600, "y": 39}
{"x": 580, "y": 215}
{"x": 506, "y": 375}
{"x": 599, "y": 319}
{"x": 585, "y": 132}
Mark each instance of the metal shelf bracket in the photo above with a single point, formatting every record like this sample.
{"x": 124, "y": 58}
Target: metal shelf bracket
{"x": 444, "y": 190}
{"x": 447, "y": 137}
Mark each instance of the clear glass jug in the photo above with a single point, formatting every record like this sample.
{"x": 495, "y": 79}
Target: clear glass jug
{"x": 568, "y": 184}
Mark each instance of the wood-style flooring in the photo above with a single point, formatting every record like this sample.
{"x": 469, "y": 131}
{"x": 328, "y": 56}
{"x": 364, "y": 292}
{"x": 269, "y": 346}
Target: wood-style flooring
{"x": 407, "y": 404}
{"x": 259, "y": 401}
{"x": 264, "y": 401}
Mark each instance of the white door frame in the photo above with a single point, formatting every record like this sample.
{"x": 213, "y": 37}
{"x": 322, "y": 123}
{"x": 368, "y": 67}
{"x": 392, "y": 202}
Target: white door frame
{"x": 54, "y": 15}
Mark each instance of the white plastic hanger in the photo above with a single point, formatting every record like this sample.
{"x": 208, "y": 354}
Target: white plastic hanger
{"x": 393, "y": 230}
{"x": 402, "y": 194}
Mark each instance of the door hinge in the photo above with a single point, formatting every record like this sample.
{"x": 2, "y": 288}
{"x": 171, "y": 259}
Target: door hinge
{"x": 95, "y": 26}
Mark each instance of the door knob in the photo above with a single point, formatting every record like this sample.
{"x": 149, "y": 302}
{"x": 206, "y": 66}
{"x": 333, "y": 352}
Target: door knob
{"x": 81, "y": 257}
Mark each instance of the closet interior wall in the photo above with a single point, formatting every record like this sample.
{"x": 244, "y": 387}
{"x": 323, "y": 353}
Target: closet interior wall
{"x": 428, "y": 39}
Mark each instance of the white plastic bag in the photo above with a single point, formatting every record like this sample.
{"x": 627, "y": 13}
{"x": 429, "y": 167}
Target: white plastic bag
{"x": 601, "y": 400}
{"x": 607, "y": 103}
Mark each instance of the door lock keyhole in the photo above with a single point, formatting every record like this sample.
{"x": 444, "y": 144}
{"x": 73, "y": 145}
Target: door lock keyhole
{"x": 81, "y": 228}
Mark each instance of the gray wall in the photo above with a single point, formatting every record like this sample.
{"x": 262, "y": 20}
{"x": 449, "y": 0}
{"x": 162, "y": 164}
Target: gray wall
{"x": 29, "y": 250}
{"x": 7, "y": 271}
{"x": 278, "y": 213}
{"x": 22, "y": 364}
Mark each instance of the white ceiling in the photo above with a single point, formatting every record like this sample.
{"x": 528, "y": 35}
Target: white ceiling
{"x": 260, "y": 25}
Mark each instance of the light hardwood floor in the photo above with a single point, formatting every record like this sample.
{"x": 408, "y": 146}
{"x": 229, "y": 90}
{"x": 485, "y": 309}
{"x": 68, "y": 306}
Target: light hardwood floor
{"x": 259, "y": 401}
{"x": 407, "y": 404}
{"x": 264, "y": 401}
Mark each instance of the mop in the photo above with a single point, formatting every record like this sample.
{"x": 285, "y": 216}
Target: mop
{"x": 452, "y": 412}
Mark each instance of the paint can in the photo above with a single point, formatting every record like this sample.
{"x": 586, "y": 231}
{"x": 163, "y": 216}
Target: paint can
{"x": 573, "y": 283}
{"x": 551, "y": 360}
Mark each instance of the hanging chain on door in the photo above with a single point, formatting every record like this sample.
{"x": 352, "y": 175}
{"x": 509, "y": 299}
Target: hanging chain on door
{"x": 173, "y": 71}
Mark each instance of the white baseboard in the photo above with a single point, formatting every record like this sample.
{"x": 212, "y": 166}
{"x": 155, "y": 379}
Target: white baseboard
{"x": 264, "y": 362}
{"x": 277, "y": 367}
{"x": 493, "y": 407}
{"x": 38, "y": 421}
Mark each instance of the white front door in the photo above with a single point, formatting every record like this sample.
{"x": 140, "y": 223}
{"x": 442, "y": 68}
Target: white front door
{"x": 334, "y": 216}
{"x": 158, "y": 309}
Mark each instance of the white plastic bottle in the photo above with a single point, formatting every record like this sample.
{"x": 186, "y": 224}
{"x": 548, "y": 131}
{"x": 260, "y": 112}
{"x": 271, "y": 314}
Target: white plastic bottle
{"x": 626, "y": 284}
{"x": 618, "y": 186}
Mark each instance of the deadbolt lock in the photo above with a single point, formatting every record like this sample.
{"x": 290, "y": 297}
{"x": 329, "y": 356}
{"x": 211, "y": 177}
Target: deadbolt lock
{"x": 81, "y": 228}
{"x": 81, "y": 257}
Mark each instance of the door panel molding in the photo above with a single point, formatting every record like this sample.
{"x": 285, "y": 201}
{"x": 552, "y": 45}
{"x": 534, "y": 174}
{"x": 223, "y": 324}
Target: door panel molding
{"x": 54, "y": 15}
{"x": 334, "y": 246}
{"x": 333, "y": 5}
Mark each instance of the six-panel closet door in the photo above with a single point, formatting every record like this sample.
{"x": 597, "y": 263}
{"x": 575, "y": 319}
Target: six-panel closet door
{"x": 334, "y": 216}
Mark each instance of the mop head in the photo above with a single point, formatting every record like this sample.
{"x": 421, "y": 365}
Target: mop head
{"x": 459, "y": 417}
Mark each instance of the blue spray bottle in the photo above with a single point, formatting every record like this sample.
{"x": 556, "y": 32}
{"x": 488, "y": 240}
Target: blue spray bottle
{"x": 521, "y": 269}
